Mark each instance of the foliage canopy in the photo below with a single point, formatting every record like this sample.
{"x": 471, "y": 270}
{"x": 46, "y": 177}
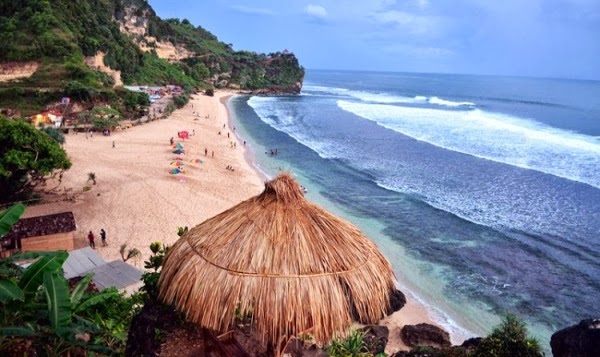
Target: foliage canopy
{"x": 27, "y": 157}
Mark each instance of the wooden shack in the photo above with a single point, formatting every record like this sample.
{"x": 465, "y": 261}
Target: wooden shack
{"x": 51, "y": 232}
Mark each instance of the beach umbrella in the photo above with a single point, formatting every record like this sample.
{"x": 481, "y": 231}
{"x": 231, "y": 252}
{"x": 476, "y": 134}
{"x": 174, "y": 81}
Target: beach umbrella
{"x": 177, "y": 163}
{"x": 196, "y": 161}
{"x": 178, "y": 152}
{"x": 175, "y": 171}
{"x": 293, "y": 266}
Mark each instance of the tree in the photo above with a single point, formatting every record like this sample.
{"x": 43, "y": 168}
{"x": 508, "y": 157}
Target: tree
{"x": 104, "y": 117}
{"x": 27, "y": 157}
{"x": 54, "y": 134}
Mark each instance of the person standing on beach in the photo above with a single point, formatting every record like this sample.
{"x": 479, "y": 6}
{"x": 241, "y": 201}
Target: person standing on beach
{"x": 103, "y": 237}
{"x": 91, "y": 239}
{"x": 205, "y": 152}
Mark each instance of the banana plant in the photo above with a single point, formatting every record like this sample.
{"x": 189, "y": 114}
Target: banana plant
{"x": 55, "y": 325}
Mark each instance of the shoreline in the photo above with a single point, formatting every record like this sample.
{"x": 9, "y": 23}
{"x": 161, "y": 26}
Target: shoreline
{"x": 138, "y": 202}
{"x": 414, "y": 312}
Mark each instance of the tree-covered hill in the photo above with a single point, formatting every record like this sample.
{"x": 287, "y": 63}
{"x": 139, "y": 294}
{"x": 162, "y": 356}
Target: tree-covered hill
{"x": 57, "y": 36}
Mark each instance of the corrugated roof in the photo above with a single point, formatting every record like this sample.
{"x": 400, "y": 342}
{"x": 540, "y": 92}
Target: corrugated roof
{"x": 116, "y": 273}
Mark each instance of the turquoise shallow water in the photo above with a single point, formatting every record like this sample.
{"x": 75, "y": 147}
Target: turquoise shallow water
{"x": 481, "y": 191}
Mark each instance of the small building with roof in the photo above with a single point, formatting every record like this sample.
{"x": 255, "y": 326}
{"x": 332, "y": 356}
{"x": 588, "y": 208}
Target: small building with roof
{"x": 42, "y": 233}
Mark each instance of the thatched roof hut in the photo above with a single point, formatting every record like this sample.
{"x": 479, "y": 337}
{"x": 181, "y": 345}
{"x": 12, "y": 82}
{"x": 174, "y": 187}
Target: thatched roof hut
{"x": 290, "y": 264}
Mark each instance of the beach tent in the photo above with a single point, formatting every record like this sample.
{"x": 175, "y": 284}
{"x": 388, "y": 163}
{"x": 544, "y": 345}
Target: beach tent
{"x": 175, "y": 171}
{"x": 293, "y": 266}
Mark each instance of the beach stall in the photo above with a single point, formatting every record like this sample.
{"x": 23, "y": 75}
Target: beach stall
{"x": 294, "y": 267}
{"x": 50, "y": 232}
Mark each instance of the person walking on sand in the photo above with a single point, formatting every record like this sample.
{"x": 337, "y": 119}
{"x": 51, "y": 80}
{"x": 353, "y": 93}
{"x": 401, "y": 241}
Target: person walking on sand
{"x": 205, "y": 152}
{"x": 103, "y": 237}
{"x": 91, "y": 239}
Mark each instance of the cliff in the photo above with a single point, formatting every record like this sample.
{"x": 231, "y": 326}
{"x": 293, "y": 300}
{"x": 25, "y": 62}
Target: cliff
{"x": 53, "y": 47}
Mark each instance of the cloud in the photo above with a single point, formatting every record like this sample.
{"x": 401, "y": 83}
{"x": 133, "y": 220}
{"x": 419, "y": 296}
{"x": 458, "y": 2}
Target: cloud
{"x": 411, "y": 23}
{"x": 423, "y": 3}
{"x": 253, "y": 10}
{"x": 315, "y": 11}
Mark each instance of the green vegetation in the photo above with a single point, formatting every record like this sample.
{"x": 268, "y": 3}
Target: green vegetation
{"x": 41, "y": 315}
{"x": 509, "y": 339}
{"x": 59, "y": 34}
{"x": 9, "y": 217}
{"x": 27, "y": 157}
{"x": 352, "y": 346}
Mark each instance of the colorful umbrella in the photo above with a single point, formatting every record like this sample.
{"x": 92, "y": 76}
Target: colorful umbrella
{"x": 175, "y": 171}
{"x": 177, "y": 163}
{"x": 178, "y": 152}
{"x": 196, "y": 161}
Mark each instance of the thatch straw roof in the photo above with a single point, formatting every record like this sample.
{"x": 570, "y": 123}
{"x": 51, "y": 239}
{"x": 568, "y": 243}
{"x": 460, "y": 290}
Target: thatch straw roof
{"x": 295, "y": 267}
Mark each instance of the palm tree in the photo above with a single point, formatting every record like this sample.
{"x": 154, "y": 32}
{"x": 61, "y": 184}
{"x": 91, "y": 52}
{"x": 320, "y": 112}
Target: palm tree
{"x": 131, "y": 253}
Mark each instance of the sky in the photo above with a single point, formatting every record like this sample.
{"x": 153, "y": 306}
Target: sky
{"x": 540, "y": 38}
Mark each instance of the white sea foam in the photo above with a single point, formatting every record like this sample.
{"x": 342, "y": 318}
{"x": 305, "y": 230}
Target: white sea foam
{"x": 382, "y": 97}
{"x": 493, "y": 136}
{"x": 271, "y": 113}
{"x": 439, "y": 101}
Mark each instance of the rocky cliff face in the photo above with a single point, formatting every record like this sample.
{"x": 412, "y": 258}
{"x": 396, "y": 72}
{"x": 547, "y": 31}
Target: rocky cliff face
{"x": 214, "y": 62}
{"x": 581, "y": 340}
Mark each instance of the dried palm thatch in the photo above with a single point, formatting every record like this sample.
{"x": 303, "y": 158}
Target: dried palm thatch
{"x": 290, "y": 264}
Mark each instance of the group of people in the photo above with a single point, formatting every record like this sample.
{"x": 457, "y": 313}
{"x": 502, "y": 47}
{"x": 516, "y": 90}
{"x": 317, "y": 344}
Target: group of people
{"x": 229, "y": 167}
{"x": 91, "y": 238}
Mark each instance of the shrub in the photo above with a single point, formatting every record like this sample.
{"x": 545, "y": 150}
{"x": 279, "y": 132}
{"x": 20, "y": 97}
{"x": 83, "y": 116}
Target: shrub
{"x": 352, "y": 346}
{"x": 509, "y": 339}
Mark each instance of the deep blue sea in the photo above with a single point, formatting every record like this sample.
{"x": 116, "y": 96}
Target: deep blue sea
{"x": 482, "y": 191}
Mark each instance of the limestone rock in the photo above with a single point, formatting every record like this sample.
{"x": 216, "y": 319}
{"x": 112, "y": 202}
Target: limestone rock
{"x": 425, "y": 335}
{"x": 581, "y": 340}
{"x": 376, "y": 338}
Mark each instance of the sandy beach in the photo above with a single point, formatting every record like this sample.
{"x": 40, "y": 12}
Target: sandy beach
{"x": 138, "y": 201}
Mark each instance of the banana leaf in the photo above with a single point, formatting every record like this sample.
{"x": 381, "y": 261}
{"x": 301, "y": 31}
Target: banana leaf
{"x": 79, "y": 290}
{"x": 59, "y": 304}
{"x": 10, "y": 291}
{"x": 16, "y": 331}
{"x": 9, "y": 217}
{"x": 96, "y": 299}
{"x": 34, "y": 274}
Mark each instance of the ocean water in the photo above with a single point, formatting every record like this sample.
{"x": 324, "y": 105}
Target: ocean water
{"x": 482, "y": 191}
